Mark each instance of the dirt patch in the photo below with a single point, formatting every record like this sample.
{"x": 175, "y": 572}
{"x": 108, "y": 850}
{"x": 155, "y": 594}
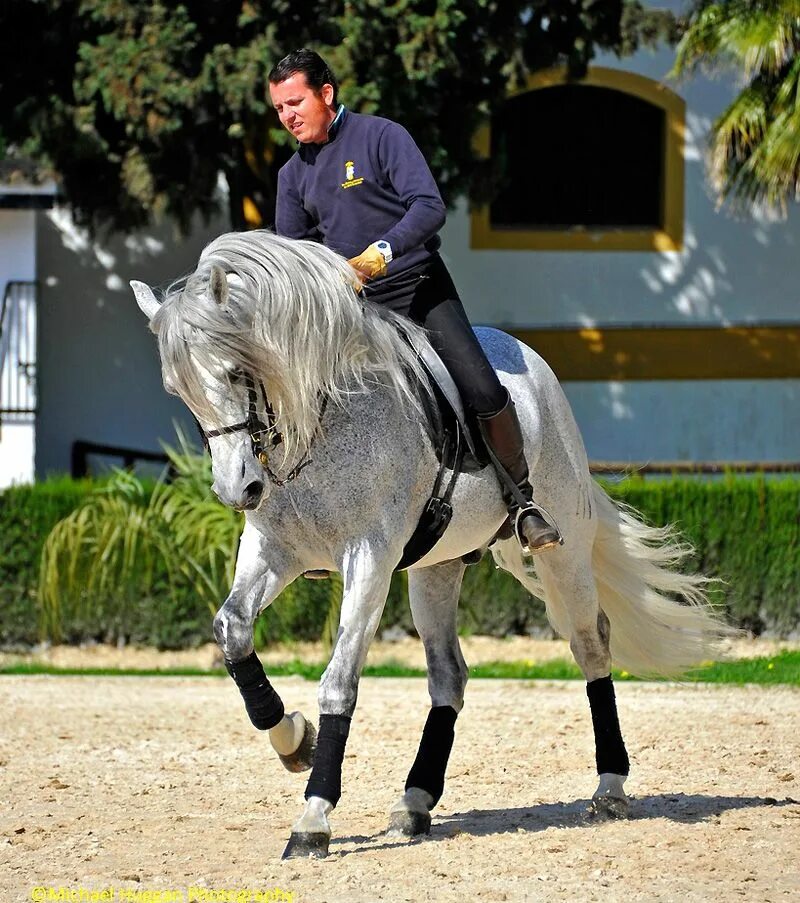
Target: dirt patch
{"x": 154, "y": 784}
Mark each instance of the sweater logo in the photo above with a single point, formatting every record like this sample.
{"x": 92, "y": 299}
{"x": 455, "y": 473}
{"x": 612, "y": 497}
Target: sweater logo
{"x": 350, "y": 175}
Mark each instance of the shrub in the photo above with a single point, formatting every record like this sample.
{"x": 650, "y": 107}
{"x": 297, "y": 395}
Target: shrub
{"x": 144, "y": 562}
{"x": 745, "y": 530}
{"x": 151, "y": 562}
{"x": 27, "y": 514}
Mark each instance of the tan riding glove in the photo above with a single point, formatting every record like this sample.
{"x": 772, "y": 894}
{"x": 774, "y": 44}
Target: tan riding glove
{"x": 369, "y": 263}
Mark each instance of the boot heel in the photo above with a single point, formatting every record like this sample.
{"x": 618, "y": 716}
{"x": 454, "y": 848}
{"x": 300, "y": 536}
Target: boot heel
{"x": 534, "y": 533}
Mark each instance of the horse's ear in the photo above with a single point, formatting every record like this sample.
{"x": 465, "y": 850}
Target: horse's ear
{"x": 219, "y": 285}
{"x": 145, "y": 298}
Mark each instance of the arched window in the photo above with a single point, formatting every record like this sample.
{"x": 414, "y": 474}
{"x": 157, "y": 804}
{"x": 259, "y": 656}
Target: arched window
{"x": 589, "y": 165}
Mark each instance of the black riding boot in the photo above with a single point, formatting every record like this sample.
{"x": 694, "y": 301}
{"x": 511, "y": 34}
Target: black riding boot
{"x": 502, "y": 434}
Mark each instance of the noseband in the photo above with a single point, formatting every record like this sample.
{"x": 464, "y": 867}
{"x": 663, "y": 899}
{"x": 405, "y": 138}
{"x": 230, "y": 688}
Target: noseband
{"x": 257, "y": 430}
{"x": 254, "y": 425}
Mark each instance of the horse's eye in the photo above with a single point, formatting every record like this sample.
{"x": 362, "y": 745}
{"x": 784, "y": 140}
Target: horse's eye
{"x": 235, "y": 375}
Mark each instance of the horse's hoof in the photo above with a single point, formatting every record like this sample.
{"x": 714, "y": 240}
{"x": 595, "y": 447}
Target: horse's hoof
{"x": 317, "y": 574}
{"x": 404, "y": 823}
{"x": 609, "y": 807}
{"x": 303, "y": 757}
{"x": 305, "y": 844}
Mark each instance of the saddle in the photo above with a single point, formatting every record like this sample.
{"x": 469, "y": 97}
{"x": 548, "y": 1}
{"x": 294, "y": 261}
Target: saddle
{"x": 447, "y": 418}
{"x": 458, "y": 446}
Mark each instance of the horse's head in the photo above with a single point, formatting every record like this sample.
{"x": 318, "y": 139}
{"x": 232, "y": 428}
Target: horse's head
{"x": 228, "y": 403}
{"x": 266, "y": 316}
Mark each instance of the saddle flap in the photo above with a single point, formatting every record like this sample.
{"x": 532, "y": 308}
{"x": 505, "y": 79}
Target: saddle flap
{"x": 448, "y": 392}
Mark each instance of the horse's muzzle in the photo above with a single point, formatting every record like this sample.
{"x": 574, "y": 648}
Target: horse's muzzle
{"x": 249, "y": 499}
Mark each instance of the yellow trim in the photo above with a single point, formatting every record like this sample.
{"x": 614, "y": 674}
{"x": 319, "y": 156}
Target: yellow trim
{"x": 669, "y": 238}
{"x": 621, "y": 353}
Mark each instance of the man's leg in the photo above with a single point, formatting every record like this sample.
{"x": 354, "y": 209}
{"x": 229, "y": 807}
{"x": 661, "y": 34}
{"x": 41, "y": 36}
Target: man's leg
{"x": 456, "y": 343}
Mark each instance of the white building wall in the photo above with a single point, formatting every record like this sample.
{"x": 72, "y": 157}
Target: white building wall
{"x": 730, "y": 271}
{"x": 689, "y": 420}
{"x": 99, "y": 369}
{"x": 17, "y": 245}
{"x": 100, "y": 378}
{"x": 17, "y": 263}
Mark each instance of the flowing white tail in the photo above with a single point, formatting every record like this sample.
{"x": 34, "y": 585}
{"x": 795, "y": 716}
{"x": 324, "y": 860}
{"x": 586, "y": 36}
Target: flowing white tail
{"x": 661, "y": 619}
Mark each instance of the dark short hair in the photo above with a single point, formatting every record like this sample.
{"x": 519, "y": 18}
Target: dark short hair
{"x": 311, "y": 64}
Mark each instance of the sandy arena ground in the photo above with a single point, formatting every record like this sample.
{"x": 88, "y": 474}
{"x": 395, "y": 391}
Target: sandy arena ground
{"x": 135, "y": 786}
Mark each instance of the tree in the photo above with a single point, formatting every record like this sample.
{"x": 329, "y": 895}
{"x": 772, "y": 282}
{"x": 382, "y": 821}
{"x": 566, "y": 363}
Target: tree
{"x": 140, "y": 105}
{"x": 754, "y": 157}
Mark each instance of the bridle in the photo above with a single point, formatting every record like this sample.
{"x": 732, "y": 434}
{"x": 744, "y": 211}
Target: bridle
{"x": 263, "y": 436}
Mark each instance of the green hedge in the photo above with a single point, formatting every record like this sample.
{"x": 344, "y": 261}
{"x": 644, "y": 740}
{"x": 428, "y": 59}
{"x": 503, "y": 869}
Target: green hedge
{"x": 746, "y": 531}
{"x": 27, "y": 514}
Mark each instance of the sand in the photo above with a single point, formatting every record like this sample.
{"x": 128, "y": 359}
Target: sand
{"x": 144, "y": 787}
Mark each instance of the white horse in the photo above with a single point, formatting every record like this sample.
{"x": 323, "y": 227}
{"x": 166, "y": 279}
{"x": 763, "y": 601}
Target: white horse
{"x": 311, "y": 401}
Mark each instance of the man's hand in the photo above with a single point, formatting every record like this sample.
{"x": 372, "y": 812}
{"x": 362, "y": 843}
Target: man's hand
{"x": 369, "y": 264}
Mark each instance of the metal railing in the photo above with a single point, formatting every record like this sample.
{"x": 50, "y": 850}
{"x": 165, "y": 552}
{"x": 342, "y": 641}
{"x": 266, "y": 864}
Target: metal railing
{"x": 628, "y": 468}
{"x": 18, "y": 325}
{"x": 83, "y": 450}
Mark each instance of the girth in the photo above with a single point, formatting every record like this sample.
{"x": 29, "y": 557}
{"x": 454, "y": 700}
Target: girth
{"x": 438, "y": 512}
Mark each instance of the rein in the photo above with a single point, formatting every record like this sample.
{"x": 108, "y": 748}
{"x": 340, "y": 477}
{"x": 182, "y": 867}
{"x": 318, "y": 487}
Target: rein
{"x": 257, "y": 429}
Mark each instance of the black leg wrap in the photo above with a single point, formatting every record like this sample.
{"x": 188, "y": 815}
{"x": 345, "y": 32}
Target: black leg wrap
{"x": 263, "y": 704}
{"x": 610, "y": 753}
{"x": 429, "y": 767}
{"x": 326, "y": 775}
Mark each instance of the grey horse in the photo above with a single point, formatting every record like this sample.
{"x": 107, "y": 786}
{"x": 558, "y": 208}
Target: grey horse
{"x": 311, "y": 402}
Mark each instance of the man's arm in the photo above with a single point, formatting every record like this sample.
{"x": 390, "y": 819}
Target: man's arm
{"x": 411, "y": 178}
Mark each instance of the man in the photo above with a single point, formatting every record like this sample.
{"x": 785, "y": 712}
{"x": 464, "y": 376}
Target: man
{"x": 360, "y": 185}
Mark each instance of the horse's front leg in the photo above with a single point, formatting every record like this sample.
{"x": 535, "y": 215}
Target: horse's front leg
{"x": 366, "y": 573}
{"x": 262, "y": 571}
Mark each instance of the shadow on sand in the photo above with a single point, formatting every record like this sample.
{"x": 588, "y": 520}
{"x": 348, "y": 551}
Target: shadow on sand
{"x": 680, "y": 807}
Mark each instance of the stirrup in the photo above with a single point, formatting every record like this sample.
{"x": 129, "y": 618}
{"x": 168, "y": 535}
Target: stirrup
{"x": 551, "y": 534}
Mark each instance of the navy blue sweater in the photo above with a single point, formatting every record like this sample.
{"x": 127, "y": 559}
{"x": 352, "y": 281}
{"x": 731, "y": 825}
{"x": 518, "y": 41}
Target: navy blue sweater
{"x": 369, "y": 181}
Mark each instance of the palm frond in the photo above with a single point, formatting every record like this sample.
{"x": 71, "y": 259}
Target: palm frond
{"x": 755, "y": 143}
{"x": 752, "y": 37}
{"x": 755, "y": 147}
{"x": 736, "y": 133}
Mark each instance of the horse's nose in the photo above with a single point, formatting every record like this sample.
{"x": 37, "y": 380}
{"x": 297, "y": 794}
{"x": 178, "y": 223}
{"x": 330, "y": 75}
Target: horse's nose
{"x": 251, "y": 495}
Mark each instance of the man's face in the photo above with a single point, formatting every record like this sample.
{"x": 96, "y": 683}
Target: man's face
{"x": 302, "y": 111}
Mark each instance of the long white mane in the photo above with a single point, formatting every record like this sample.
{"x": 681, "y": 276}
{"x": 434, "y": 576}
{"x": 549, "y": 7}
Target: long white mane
{"x": 293, "y": 320}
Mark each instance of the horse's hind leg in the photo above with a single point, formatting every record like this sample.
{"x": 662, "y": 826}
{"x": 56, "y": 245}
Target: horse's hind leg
{"x": 569, "y": 584}
{"x": 433, "y": 593}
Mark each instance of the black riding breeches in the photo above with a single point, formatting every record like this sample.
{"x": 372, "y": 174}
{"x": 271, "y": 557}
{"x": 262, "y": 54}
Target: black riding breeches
{"x": 426, "y": 294}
